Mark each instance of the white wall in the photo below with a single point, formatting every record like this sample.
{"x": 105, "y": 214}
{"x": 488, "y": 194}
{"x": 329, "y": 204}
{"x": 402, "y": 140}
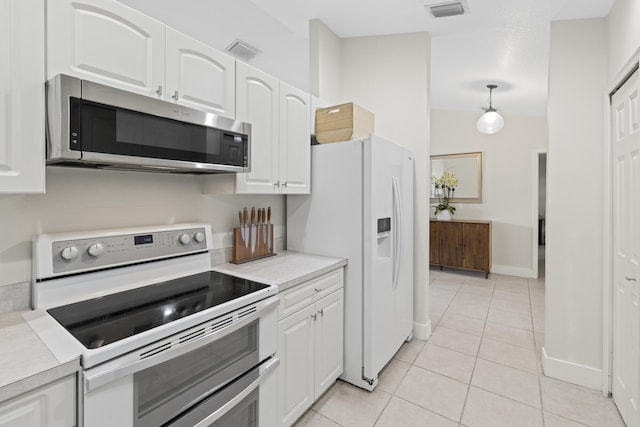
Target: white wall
{"x": 325, "y": 70}
{"x": 389, "y": 76}
{"x": 623, "y": 34}
{"x": 507, "y": 180}
{"x": 577, "y": 78}
{"x": 86, "y": 199}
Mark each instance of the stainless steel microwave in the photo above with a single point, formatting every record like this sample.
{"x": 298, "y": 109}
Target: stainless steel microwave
{"x": 93, "y": 125}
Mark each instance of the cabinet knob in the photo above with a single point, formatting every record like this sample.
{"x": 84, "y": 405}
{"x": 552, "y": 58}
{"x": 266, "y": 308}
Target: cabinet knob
{"x": 159, "y": 91}
{"x": 317, "y": 290}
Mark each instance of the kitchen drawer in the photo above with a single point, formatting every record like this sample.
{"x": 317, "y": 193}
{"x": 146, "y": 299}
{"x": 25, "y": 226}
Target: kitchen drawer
{"x": 309, "y": 292}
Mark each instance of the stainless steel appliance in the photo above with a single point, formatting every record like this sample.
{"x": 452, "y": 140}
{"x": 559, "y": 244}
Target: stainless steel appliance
{"x": 164, "y": 340}
{"x": 93, "y": 125}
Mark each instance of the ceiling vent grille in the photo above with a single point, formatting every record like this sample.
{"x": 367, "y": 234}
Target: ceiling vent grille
{"x": 242, "y": 50}
{"x": 447, "y": 9}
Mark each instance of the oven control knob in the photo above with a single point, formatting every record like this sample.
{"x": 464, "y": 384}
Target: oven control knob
{"x": 96, "y": 250}
{"x": 199, "y": 237}
{"x": 184, "y": 239}
{"x": 69, "y": 253}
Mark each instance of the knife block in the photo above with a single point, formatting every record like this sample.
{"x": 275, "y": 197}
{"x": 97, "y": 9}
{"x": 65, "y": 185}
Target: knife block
{"x": 252, "y": 242}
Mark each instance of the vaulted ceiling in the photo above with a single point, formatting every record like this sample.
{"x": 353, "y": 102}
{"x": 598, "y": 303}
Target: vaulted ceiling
{"x": 505, "y": 42}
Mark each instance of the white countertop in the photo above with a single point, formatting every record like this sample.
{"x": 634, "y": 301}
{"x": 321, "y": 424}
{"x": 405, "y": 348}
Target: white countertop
{"x": 27, "y": 363}
{"x": 285, "y": 270}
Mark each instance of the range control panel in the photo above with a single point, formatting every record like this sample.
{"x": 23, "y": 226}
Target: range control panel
{"x": 104, "y": 251}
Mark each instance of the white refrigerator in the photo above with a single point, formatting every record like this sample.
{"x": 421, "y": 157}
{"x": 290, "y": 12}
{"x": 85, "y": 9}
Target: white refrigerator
{"x": 361, "y": 208}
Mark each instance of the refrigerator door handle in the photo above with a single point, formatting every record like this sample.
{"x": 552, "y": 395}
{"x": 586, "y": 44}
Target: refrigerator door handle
{"x": 397, "y": 235}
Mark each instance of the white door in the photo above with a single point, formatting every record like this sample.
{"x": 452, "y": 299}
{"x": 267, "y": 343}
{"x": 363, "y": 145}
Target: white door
{"x": 380, "y": 253}
{"x": 296, "y": 341}
{"x": 200, "y": 76}
{"x": 295, "y": 140}
{"x": 329, "y": 336}
{"x": 106, "y": 42}
{"x": 257, "y": 102}
{"x": 22, "y": 124}
{"x": 625, "y": 122}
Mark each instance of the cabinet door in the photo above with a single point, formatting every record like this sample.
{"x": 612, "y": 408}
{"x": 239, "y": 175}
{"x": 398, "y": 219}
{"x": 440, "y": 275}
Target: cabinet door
{"x": 296, "y": 339}
{"x": 476, "y": 246}
{"x": 257, "y": 102}
{"x": 107, "y": 42}
{"x": 50, "y": 406}
{"x": 200, "y": 76}
{"x": 451, "y": 244}
{"x": 434, "y": 242}
{"x": 295, "y": 140}
{"x": 22, "y": 101}
{"x": 329, "y": 344}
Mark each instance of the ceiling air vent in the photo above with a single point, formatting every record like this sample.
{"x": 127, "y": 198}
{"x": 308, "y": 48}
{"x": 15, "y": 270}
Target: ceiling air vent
{"x": 448, "y": 9}
{"x": 242, "y": 50}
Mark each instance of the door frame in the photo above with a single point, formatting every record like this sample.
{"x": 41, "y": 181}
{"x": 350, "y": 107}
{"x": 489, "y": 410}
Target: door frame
{"x": 534, "y": 203}
{"x": 607, "y": 240}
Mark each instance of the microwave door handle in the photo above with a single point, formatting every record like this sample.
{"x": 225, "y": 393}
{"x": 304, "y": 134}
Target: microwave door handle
{"x": 111, "y": 371}
{"x": 237, "y": 398}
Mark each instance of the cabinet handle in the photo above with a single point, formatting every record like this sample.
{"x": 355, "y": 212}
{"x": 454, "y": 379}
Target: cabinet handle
{"x": 314, "y": 316}
{"x": 276, "y": 184}
{"x": 284, "y": 184}
{"x": 630, "y": 279}
{"x": 159, "y": 91}
{"x": 175, "y": 95}
{"x": 321, "y": 312}
{"x": 318, "y": 290}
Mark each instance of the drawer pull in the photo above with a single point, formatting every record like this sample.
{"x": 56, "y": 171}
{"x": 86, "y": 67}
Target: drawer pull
{"x": 321, "y": 312}
{"x": 317, "y": 290}
{"x": 314, "y": 316}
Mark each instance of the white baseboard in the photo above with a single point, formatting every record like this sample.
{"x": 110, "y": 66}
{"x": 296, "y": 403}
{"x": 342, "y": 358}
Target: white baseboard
{"x": 508, "y": 270}
{"x": 422, "y": 331}
{"x": 575, "y": 373}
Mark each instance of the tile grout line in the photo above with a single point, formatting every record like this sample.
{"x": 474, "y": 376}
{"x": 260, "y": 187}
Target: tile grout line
{"x": 466, "y": 398}
{"x": 539, "y": 368}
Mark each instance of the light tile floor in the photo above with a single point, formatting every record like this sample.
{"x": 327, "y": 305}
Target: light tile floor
{"x": 480, "y": 368}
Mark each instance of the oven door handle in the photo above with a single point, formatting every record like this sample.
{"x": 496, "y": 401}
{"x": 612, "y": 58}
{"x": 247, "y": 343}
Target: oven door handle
{"x": 238, "y": 396}
{"x": 132, "y": 363}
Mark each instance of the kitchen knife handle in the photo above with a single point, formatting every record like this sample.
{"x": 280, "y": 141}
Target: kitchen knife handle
{"x": 245, "y": 216}
{"x": 253, "y": 216}
{"x": 240, "y": 218}
{"x": 269, "y": 214}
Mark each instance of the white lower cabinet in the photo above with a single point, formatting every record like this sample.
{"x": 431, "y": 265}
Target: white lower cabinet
{"x": 53, "y": 405}
{"x": 310, "y": 346}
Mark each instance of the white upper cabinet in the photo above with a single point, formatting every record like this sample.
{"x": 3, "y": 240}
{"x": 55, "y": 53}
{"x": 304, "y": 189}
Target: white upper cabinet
{"x": 199, "y": 76}
{"x": 22, "y": 96}
{"x": 257, "y": 96}
{"x": 106, "y": 42}
{"x": 295, "y": 140}
{"x": 280, "y": 133}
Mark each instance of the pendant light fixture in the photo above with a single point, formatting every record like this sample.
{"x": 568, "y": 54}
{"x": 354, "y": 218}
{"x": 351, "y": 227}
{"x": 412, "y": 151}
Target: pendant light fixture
{"x": 490, "y": 122}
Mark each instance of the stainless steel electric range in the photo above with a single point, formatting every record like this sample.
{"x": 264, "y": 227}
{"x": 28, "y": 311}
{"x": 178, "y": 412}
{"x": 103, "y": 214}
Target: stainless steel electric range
{"x": 164, "y": 341}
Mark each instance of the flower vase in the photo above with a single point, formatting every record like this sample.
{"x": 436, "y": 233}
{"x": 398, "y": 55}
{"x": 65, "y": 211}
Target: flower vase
{"x": 444, "y": 215}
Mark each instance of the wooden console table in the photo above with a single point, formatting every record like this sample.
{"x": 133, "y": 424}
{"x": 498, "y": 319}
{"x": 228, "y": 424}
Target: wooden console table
{"x": 462, "y": 244}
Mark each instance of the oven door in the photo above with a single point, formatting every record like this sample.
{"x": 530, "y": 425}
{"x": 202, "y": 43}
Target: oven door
{"x": 250, "y": 401}
{"x": 156, "y": 384}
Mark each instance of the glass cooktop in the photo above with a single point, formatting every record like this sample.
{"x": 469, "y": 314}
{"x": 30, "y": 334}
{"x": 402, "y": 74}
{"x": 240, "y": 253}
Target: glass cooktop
{"x": 101, "y": 321}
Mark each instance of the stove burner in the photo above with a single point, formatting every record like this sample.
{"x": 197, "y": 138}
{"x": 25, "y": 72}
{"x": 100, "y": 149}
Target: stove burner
{"x": 101, "y": 321}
